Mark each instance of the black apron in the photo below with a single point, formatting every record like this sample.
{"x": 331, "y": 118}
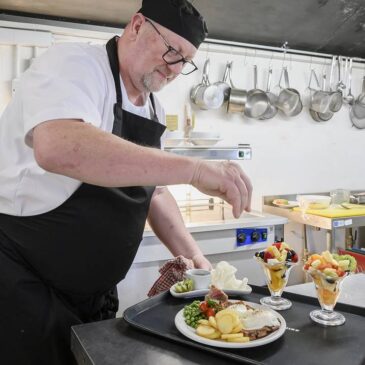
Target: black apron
{"x": 60, "y": 268}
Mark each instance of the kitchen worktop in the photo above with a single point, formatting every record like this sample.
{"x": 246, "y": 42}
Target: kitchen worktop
{"x": 251, "y": 219}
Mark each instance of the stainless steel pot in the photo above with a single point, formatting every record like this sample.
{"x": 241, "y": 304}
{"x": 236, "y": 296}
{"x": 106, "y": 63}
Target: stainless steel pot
{"x": 237, "y": 97}
{"x": 358, "y": 198}
{"x": 289, "y": 101}
{"x": 272, "y": 110}
{"x": 257, "y": 100}
{"x": 223, "y": 85}
{"x": 316, "y": 115}
{"x": 206, "y": 95}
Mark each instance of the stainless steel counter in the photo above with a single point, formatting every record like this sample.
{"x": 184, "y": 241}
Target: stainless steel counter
{"x": 331, "y": 225}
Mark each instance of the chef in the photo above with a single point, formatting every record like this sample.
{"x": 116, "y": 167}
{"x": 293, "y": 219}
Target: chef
{"x": 80, "y": 159}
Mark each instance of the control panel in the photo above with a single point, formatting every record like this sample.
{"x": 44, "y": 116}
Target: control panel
{"x": 249, "y": 236}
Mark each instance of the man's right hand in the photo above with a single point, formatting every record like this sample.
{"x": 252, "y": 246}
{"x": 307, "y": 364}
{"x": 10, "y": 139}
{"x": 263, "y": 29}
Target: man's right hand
{"x": 226, "y": 180}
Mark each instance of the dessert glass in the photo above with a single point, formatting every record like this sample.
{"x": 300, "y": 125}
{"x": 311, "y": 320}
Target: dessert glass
{"x": 328, "y": 290}
{"x": 276, "y": 276}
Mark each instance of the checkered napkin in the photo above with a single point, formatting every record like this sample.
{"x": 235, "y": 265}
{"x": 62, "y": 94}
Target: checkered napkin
{"x": 171, "y": 272}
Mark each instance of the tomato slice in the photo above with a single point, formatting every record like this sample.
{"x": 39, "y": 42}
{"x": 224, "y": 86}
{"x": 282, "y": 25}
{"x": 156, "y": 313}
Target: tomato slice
{"x": 203, "y": 307}
{"x": 210, "y": 312}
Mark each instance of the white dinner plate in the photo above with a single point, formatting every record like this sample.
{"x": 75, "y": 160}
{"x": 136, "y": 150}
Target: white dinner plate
{"x": 291, "y": 204}
{"x": 201, "y": 292}
{"x": 190, "y": 332}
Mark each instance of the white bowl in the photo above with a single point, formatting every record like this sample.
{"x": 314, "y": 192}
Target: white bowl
{"x": 313, "y": 201}
{"x": 204, "y": 135}
{"x": 204, "y": 141}
{"x": 200, "y": 277}
{"x": 172, "y": 142}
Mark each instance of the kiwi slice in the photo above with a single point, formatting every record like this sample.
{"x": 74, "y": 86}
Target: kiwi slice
{"x": 353, "y": 263}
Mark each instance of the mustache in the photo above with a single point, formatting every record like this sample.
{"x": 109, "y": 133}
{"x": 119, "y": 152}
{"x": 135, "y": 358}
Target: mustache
{"x": 166, "y": 72}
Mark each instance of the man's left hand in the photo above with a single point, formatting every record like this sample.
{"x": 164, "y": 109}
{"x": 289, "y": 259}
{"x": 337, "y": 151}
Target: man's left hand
{"x": 201, "y": 262}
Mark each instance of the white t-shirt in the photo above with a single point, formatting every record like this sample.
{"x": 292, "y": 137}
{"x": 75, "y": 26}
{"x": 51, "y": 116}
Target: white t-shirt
{"x": 69, "y": 81}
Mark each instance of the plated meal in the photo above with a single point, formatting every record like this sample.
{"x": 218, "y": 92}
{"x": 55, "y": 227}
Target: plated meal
{"x": 220, "y": 322}
{"x": 284, "y": 203}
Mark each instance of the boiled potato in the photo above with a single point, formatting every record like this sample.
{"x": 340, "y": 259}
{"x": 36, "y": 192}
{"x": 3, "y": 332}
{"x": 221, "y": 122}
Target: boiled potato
{"x": 215, "y": 335}
{"x": 230, "y": 312}
{"x": 237, "y": 328}
{"x": 204, "y": 322}
{"x": 212, "y": 322}
{"x": 238, "y": 339}
{"x": 231, "y": 335}
{"x": 225, "y": 323}
{"x": 205, "y": 331}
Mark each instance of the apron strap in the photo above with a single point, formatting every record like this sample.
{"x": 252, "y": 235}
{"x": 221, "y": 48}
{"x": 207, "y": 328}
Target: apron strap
{"x": 111, "y": 48}
{"x": 112, "y": 51}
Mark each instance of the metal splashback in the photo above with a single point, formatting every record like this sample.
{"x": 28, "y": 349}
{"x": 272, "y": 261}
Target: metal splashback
{"x": 241, "y": 152}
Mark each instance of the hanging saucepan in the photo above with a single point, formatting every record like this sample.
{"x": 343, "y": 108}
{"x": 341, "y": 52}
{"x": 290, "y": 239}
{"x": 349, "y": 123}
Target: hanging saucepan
{"x": 257, "y": 100}
{"x": 289, "y": 101}
{"x": 315, "y": 100}
{"x": 325, "y": 117}
{"x": 205, "y": 95}
{"x": 237, "y": 97}
{"x": 334, "y": 97}
{"x": 223, "y": 85}
{"x": 359, "y": 105}
{"x": 272, "y": 110}
{"x": 359, "y": 123}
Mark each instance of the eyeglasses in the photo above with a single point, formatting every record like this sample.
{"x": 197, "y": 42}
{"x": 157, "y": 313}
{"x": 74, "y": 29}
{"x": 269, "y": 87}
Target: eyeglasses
{"x": 172, "y": 56}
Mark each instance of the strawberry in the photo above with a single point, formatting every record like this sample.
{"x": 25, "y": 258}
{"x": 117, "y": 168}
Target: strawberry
{"x": 268, "y": 255}
{"x": 277, "y": 245}
{"x": 294, "y": 258}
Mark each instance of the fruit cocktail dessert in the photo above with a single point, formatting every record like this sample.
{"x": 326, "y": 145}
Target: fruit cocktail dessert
{"x": 277, "y": 260}
{"x": 328, "y": 271}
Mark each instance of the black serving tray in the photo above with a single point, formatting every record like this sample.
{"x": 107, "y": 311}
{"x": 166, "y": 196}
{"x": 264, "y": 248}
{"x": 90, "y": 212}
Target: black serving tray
{"x": 304, "y": 342}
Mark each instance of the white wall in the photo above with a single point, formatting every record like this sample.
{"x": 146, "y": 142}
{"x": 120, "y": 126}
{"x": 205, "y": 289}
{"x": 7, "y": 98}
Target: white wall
{"x": 290, "y": 155}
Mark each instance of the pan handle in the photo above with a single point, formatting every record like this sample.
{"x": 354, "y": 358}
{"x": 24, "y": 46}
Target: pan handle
{"x": 255, "y": 77}
{"x": 230, "y": 74}
{"x": 269, "y": 80}
{"x": 205, "y": 79}
{"x": 226, "y": 72}
{"x": 286, "y": 77}
{"x": 331, "y": 72}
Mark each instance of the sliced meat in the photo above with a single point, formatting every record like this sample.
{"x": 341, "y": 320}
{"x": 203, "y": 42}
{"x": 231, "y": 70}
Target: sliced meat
{"x": 216, "y": 294}
{"x": 259, "y": 333}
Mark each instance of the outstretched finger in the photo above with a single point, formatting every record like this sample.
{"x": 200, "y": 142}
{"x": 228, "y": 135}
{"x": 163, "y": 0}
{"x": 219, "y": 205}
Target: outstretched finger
{"x": 248, "y": 186}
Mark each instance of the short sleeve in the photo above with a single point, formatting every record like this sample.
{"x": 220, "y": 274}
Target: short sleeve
{"x": 64, "y": 83}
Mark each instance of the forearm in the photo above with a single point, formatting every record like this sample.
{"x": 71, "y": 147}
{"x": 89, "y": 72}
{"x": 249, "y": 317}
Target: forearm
{"x": 166, "y": 221}
{"x": 84, "y": 152}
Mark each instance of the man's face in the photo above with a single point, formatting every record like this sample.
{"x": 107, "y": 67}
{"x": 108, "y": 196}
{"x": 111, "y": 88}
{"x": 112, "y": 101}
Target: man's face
{"x": 155, "y": 41}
